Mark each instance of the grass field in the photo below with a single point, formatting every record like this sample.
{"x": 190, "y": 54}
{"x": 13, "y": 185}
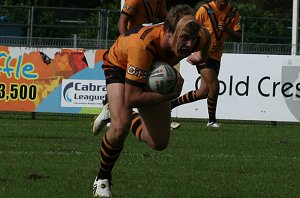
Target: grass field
{"x": 59, "y": 158}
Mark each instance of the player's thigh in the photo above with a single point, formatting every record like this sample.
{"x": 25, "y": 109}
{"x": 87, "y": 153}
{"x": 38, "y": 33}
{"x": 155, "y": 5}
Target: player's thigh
{"x": 120, "y": 114}
{"x": 209, "y": 76}
{"x": 156, "y": 120}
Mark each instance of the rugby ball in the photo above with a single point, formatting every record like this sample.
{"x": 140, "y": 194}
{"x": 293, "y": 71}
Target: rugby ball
{"x": 162, "y": 78}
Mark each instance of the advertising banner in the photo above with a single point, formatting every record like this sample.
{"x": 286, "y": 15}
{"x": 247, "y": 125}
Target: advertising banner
{"x": 34, "y": 80}
{"x": 252, "y": 87}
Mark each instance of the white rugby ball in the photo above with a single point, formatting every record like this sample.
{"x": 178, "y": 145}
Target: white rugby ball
{"x": 162, "y": 78}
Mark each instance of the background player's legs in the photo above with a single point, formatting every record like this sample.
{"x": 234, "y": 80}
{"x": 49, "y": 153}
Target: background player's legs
{"x": 211, "y": 79}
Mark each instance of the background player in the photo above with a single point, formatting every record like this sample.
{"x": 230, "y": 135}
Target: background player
{"x": 137, "y": 12}
{"x": 222, "y": 20}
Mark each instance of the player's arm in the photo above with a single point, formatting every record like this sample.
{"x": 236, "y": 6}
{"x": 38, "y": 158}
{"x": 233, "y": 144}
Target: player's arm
{"x": 122, "y": 23}
{"x": 235, "y": 35}
{"x": 162, "y": 11}
{"x": 137, "y": 96}
{"x": 128, "y": 11}
{"x": 233, "y": 28}
{"x": 139, "y": 63}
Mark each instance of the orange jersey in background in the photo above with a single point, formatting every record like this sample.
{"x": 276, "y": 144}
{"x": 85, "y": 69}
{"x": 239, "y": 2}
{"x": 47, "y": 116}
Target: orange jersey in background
{"x": 144, "y": 11}
{"x": 209, "y": 16}
{"x": 135, "y": 51}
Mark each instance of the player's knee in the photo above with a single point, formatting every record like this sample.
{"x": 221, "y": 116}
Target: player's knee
{"x": 201, "y": 94}
{"x": 120, "y": 133}
{"x": 159, "y": 146}
{"x": 214, "y": 88}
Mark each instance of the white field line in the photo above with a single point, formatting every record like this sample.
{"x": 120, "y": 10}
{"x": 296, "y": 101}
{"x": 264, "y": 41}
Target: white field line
{"x": 213, "y": 156}
{"x": 45, "y": 153}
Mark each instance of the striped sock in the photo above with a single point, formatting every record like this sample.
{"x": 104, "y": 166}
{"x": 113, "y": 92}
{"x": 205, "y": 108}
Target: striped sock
{"x": 109, "y": 155}
{"x": 186, "y": 98}
{"x": 212, "y": 106}
{"x": 136, "y": 125}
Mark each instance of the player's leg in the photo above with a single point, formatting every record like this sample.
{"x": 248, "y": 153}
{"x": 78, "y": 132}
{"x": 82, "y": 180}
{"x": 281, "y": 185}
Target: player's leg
{"x": 121, "y": 116}
{"x": 152, "y": 125}
{"x": 183, "y": 99}
{"x": 202, "y": 91}
{"x": 210, "y": 77}
{"x": 113, "y": 140}
{"x": 191, "y": 96}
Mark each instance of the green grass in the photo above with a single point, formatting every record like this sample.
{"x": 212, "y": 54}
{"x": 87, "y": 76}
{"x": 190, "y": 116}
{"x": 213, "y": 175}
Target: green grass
{"x": 59, "y": 158}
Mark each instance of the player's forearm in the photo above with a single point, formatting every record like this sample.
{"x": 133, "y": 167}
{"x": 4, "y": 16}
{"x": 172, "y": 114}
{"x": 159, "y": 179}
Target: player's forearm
{"x": 122, "y": 28}
{"x": 235, "y": 35}
{"x": 146, "y": 99}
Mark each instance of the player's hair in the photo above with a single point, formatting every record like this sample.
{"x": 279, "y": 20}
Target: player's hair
{"x": 192, "y": 27}
{"x": 175, "y": 14}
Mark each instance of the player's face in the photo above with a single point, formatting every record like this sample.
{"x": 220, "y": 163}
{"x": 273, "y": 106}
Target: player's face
{"x": 222, "y": 4}
{"x": 186, "y": 44}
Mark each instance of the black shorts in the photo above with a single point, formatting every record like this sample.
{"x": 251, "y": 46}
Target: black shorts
{"x": 213, "y": 64}
{"x": 114, "y": 74}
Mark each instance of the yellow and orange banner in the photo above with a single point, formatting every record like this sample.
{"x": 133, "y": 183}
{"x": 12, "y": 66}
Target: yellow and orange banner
{"x": 28, "y": 76}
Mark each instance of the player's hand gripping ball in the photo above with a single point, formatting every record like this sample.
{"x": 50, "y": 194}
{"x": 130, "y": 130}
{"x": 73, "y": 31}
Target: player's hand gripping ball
{"x": 162, "y": 78}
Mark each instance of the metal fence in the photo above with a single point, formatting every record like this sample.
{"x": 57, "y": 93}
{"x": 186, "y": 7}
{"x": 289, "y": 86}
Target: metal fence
{"x": 57, "y": 22}
{"x": 258, "y": 48}
{"x": 33, "y": 26}
{"x": 230, "y": 47}
{"x": 43, "y": 42}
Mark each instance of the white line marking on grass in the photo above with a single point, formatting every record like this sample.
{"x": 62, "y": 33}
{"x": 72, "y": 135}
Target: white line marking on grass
{"x": 222, "y": 155}
{"x": 213, "y": 156}
{"x": 46, "y": 153}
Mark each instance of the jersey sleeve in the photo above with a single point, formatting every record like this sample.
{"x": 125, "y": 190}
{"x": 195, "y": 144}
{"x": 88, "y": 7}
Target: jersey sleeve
{"x": 201, "y": 15}
{"x": 130, "y": 7}
{"x": 236, "y": 23}
{"x": 138, "y": 66}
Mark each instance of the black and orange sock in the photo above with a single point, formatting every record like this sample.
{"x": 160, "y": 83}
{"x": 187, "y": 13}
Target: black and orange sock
{"x": 109, "y": 156}
{"x": 186, "y": 98}
{"x": 212, "y": 106}
{"x": 136, "y": 125}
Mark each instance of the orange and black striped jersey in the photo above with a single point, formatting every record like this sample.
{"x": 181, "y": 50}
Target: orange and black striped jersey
{"x": 144, "y": 11}
{"x": 135, "y": 51}
{"x": 209, "y": 16}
